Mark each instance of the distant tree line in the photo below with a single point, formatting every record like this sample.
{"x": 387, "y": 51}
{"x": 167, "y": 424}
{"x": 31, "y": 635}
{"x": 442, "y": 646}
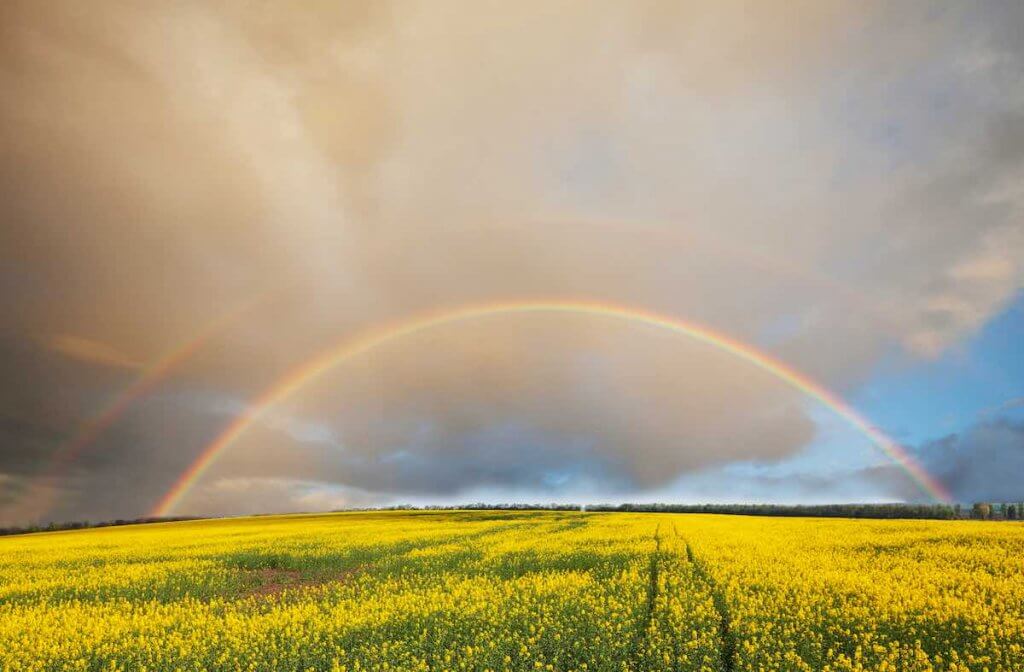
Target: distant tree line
{"x": 85, "y": 524}
{"x": 884, "y": 511}
{"x": 977, "y": 511}
{"x": 476, "y": 506}
{"x": 997, "y": 511}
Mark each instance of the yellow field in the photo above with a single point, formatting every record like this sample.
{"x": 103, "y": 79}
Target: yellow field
{"x": 516, "y": 591}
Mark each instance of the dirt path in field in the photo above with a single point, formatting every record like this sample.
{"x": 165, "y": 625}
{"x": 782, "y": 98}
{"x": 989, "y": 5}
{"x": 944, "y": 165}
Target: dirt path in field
{"x": 725, "y": 631}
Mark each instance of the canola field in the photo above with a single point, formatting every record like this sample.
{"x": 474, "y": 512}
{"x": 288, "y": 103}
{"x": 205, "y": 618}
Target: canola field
{"x": 516, "y": 591}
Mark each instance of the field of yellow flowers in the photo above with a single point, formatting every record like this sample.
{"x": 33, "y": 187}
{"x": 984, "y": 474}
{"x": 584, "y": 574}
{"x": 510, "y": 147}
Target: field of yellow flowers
{"x": 516, "y": 591}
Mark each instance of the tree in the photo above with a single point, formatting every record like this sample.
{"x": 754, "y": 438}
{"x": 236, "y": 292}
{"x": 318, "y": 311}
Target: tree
{"x": 1011, "y": 512}
{"x": 981, "y": 511}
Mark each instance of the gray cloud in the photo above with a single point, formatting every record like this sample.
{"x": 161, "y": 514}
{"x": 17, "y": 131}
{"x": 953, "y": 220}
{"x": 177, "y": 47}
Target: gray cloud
{"x": 983, "y": 463}
{"x": 841, "y": 177}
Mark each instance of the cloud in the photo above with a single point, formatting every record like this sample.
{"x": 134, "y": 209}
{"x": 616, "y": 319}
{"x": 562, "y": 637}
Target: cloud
{"x": 983, "y": 463}
{"x": 568, "y": 395}
{"x": 247, "y": 496}
{"x": 1008, "y": 405}
{"x": 849, "y": 170}
{"x": 86, "y": 350}
{"x": 729, "y": 486}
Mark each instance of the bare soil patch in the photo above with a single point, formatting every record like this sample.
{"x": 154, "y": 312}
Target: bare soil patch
{"x": 272, "y": 582}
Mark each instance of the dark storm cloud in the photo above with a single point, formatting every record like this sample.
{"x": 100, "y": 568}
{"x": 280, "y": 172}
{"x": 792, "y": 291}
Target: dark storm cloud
{"x": 983, "y": 463}
{"x": 850, "y": 170}
{"x": 28, "y": 444}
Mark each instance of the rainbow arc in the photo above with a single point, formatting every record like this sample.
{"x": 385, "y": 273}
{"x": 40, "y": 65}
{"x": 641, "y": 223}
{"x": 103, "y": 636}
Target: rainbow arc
{"x": 315, "y": 367}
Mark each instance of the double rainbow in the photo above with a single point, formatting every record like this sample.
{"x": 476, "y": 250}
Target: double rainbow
{"x": 317, "y": 366}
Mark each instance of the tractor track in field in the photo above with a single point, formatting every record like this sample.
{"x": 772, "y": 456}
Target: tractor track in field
{"x": 652, "y": 587}
{"x": 648, "y": 609}
{"x": 725, "y": 631}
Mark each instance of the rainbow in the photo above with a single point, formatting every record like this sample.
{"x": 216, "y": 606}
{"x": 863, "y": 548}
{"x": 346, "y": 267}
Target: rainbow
{"x": 144, "y": 383}
{"x": 317, "y": 366}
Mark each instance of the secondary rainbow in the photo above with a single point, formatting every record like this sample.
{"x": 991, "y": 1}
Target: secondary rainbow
{"x": 145, "y": 382}
{"x": 309, "y": 371}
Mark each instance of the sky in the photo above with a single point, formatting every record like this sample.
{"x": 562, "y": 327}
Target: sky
{"x": 198, "y": 198}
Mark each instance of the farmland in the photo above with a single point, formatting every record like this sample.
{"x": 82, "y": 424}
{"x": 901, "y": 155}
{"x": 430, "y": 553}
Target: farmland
{"x": 516, "y": 591}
